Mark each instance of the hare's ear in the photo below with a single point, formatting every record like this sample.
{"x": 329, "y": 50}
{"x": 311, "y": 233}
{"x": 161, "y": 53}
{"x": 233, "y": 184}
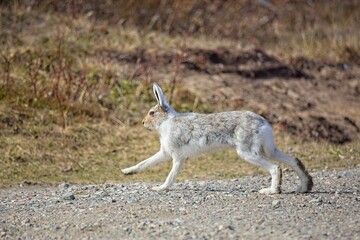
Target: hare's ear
{"x": 160, "y": 97}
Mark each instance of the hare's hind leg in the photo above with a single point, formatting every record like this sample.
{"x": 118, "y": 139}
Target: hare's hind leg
{"x": 159, "y": 157}
{"x": 258, "y": 160}
{"x": 298, "y": 167}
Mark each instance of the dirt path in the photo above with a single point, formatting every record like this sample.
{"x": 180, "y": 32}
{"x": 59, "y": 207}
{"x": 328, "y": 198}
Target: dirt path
{"x": 192, "y": 210}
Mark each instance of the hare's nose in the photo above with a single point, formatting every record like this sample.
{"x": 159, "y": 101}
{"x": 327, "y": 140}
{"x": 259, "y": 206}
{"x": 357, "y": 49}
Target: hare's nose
{"x": 143, "y": 122}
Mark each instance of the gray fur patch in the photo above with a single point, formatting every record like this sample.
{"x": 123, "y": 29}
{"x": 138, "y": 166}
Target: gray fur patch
{"x": 216, "y": 129}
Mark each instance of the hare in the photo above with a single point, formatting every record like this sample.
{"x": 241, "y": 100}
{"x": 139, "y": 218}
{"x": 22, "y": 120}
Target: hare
{"x": 183, "y": 135}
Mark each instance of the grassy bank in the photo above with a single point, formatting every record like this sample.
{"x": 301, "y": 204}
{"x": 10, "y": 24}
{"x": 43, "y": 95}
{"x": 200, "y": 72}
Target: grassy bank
{"x": 68, "y": 114}
{"x": 96, "y": 153}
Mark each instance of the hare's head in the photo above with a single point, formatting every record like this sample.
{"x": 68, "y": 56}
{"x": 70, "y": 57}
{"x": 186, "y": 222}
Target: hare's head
{"x": 160, "y": 112}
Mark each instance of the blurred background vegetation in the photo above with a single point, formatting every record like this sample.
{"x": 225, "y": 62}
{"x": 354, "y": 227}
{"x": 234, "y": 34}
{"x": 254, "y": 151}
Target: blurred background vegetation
{"x": 67, "y": 113}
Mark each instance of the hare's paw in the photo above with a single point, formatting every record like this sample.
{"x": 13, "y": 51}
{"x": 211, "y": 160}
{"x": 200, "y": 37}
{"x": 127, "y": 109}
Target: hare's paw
{"x": 159, "y": 188}
{"x": 270, "y": 191}
{"x": 304, "y": 188}
{"x": 306, "y": 185}
{"x": 128, "y": 171}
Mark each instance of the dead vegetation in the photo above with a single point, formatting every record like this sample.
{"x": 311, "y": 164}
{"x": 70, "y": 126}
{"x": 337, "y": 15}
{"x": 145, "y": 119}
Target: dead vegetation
{"x": 75, "y": 80}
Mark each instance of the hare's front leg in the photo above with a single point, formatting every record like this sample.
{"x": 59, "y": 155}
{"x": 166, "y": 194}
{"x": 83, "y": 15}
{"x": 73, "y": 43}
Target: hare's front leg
{"x": 159, "y": 157}
{"x": 177, "y": 164}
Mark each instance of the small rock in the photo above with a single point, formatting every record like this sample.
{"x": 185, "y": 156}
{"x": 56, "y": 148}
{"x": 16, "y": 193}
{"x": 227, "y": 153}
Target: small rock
{"x": 26, "y": 222}
{"x": 68, "y": 196}
{"x": 105, "y": 194}
{"x": 177, "y": 222}
{"x": 276, "y": 203}
{"x": 230, "y": 227}
{"x": 102, "y": 194}
{"x": 36, "y": 204}
{"x": 84, "y": 226}
{"x": 182, "y": 209}
{"x": 84, "y": 195}
{"x": 64, "y": 185}
{"x": 317, "y": 201}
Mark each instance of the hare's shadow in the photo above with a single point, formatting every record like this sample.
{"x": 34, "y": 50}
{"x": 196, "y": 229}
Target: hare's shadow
{"x": 230, "y": 191}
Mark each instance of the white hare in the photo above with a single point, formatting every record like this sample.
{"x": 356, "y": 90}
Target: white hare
{"x": 183, "y": 135}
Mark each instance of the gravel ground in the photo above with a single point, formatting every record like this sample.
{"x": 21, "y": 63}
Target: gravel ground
{"x": 192, "y": 210}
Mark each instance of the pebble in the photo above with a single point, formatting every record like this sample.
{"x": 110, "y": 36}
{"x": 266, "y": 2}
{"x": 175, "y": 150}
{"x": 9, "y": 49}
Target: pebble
{"x": 64, "y": 185}
{"x": 317, "y": 201}
{"x": 68, "y": 196}
{"x": 275, "y": 203}
{"x": 182, "y": 209}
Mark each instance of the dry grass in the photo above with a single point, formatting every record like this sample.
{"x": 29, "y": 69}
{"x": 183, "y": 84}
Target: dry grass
{"x": 96, "y": 153}
{"x": 67, "y": 116}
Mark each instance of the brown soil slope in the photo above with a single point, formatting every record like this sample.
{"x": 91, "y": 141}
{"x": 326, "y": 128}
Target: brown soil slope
{"x": 312, "y": 100}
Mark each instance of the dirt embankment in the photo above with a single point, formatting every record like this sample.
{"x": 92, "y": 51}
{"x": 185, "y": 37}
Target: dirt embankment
{"x": 313, "y": 100}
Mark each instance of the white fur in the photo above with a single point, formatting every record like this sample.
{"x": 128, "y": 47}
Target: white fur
{"x": 189, "y": 134}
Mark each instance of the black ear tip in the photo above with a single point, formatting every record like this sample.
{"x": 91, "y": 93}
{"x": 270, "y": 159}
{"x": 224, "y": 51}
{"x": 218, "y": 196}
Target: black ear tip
{"x": 156, "y": 92}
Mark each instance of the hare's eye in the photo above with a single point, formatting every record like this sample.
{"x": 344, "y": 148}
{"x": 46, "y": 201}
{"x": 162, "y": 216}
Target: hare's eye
{"x": 151, "y": 113}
